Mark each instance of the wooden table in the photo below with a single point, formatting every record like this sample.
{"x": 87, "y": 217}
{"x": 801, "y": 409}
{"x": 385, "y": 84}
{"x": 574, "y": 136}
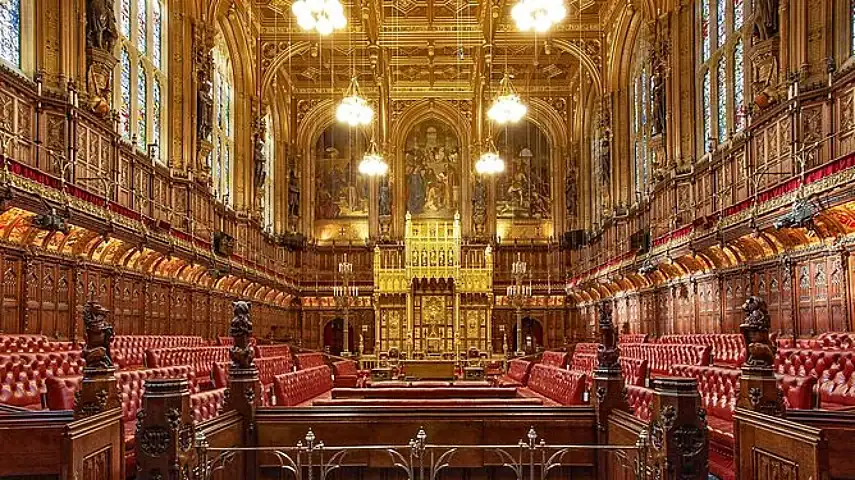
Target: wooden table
{"x": 429, "y": 369}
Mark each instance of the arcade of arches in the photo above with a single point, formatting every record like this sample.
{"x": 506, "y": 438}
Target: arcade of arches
{"x": 166, "y": 158}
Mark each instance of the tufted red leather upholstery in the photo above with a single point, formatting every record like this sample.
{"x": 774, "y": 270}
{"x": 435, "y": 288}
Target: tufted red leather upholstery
{"x": 207, "y": 405}
{"x": 518, "y": 373}
{"x": 268, "y": 368}
{"x": 566, "y": 387}
{"x": 425, "y": 402}
{"x": 808, "y": 363}
{"x": 640, "y": 400}
{"x": 279, "y": 350}
{"x": 412, "y": 392}
{"x": 728, "y": 349}
{"x": 834, "y": 341}
{"x": 23, "y": 343}
{"x": 23, "y": 375}
{"x": 798, "y": 391}
{"x": 660, "y": 357}
{"x": 584, "y": 347}
{"x": 634, "y": 370}
{"x": 129, "y": 350}
{"x": 298, "y": 387}
{"x": 202, "y": 359}
{"x": 584, "y": 362}
{"x": 554, "y": 358}
{"x": 347, "y": 374}
{"x": 633, "y": 338}
{"x": 310, "y": 360}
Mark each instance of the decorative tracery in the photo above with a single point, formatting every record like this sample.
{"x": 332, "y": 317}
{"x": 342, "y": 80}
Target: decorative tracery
{"x": 722, "y": 79}
{"x": 141, "y": 74}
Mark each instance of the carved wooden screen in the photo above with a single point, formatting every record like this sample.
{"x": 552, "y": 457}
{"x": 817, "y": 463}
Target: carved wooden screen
{"x": 473, "y": 320}
{"x": 737, "y": 288}
{"x": 820, "y": 293}
{"x": 709, "y": 308}
{"x": 433, "y": 323}
{"x": 774, "y": 284}
{"x": 393, "y": 323}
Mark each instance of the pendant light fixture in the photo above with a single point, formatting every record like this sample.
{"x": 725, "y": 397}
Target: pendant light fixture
{"x": 538, "y": 15}
{"x": 490, "y": 162}
{"x": 324, "y": 16}
{"x": 373, "y": 164}
{"x": 354, "y": 109}
{"x": 507, "y": 107}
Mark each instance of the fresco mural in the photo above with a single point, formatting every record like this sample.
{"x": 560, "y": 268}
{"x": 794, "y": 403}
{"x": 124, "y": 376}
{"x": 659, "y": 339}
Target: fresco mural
{"x": 432, "y": 159}
{"x": 523, "y": 191}
{"x": 340, "y": 191}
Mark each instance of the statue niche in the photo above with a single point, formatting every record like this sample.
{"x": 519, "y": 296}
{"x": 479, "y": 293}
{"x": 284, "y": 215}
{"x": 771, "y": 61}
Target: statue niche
{"x": 101, "y": 36}
{"x": 340, "y": 191}
{"x": 432, "y": 162}
{"x": 524, "y": 190}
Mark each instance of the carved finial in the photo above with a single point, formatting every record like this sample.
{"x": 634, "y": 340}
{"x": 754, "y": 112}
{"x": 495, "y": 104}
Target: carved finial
{"x": 755, "y": 330}
{"x": 241, "y": 352}
{"x": 608, "y": 354}
{"x": 98, "y": 336}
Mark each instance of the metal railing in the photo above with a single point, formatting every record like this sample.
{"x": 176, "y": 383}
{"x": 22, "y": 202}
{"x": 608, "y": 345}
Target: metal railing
{"x": 311, "y": 458}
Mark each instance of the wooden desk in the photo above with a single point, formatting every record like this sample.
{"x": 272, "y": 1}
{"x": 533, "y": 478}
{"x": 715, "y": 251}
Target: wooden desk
{"x": 429, "y": 369}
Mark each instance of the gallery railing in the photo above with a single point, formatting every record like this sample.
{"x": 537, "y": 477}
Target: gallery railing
{"x": 311, "y": 459}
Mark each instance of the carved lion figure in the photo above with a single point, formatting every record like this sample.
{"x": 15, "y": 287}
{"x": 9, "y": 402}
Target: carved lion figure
{"x": 99, "y": 334}
{"x": 755, "y": 331}
{"x": 241, "y": 352}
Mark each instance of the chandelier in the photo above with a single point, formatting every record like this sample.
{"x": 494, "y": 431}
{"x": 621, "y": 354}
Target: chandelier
{"x": 507, "y": 107}
{"x": 373, "y": 164}
{"x": 538, "y": 15}
{"x": 490, "y": 162}
{"x": 321, "y": 15}
{"x": 354, "y": 109}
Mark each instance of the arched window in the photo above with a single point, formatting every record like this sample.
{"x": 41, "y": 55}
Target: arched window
{"x": 640, "y": 129}
{"x": 10, "y": 25}
{"x": 722, "y": 73}
{"x": 222, "y": 134}
{"x": 267, "y": 188}
{"x": 141, "y": 74}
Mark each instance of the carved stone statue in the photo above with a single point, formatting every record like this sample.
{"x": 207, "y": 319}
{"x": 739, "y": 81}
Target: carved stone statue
{"x": 385, "y": 197}
{"x": 293, "y": 194}
{"x": 101, "y": 32}
{"x": 98, "y": 334}
{"x": 205, "y": 97}
{"x": 99, "y": 83}
{"x": 260, "y": 158}
{"x": 659, "y": 107}
{"x": 608, "y": 354}
{"x": 241, "y": 352}
{"x": 755, "y": 330}
{"x": 605, "y": 157}
{"x": 570, "y": 192}
{"x": 765, "y": 19}
{"x": 479, "y": 197}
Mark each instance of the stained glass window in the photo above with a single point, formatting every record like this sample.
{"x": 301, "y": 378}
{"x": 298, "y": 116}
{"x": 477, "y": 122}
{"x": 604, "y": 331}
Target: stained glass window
{"x": 705, "y": 29}
{"x": 707, "y": 108}
{"x": 10, "y": 25}
{"x": 142, "y": 72}
{"x": 222, "y": 135}
{"x": 125, "y": 91}
{"x": 722, "y": 67}
{"x": 157, "y": 119}
{"x": 721, "y": 81}
{"x": 721, "y": 22}
{"x": 142, "y": 107}
{"x": 640, "y": 128}
{"x": 739, "y": 86}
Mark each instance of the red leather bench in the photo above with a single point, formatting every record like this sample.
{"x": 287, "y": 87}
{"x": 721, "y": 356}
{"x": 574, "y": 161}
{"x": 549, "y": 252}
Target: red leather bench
{"x": 278, "y": 350}
{"x": 560, "y": 386}
{"x": 633, "y": 338}
{"x": 719, "y": 390}
{"x": 660, "y": 357}
{"x": 554, "y": 358}
{"x": 202, "y": 359}
{"x": 429, "y": 384}
{"x": 586, "y": 347}
{"x": 24, "y": 343}
{"x": 23, "y": 375}
{"x": 207, "y": 405}
{"x": 296, "y": 388}
{"x": 728, "y": 349}
{"x": 425, "y": 403}
{"x": 425, "y": 393}
{"x": 310, "y": 360}
{"x": 268, "y": 368}
{"x": 585, "y": 363}
{"x": 640, "y": 400}
{"x": 633, "y": 370}
{"x": 518, "y": 372}
{"x": 347, "y": 374}
{"x": 129, "y": 350}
